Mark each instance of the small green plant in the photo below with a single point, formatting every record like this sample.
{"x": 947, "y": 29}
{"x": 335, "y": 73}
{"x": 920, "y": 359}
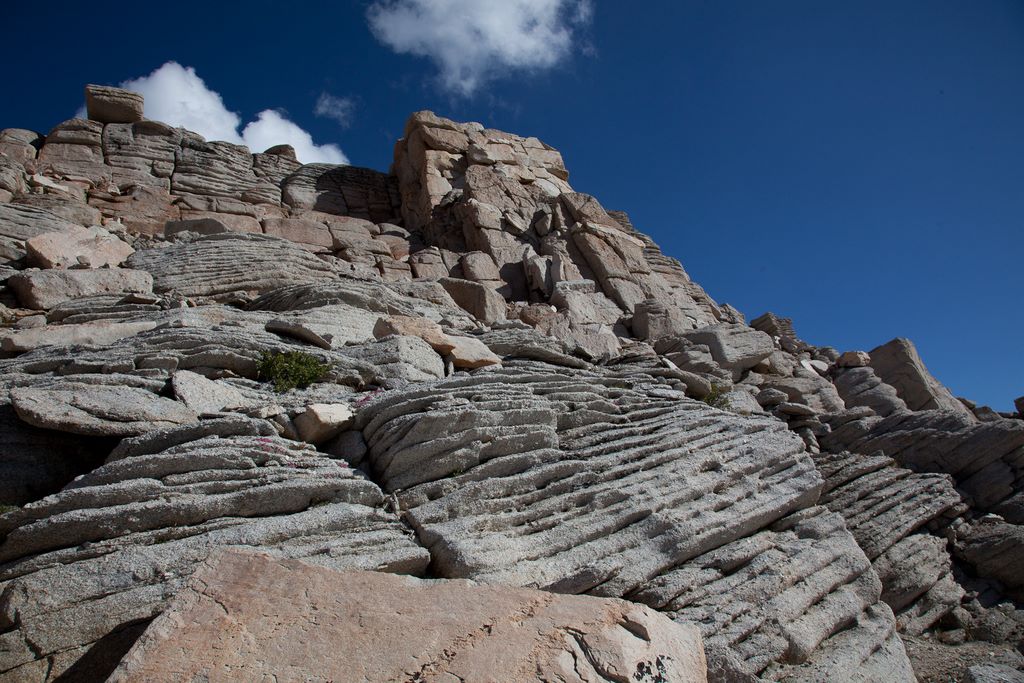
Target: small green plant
{"x": 718, "y": 397}
{"x": 291, "y": 369}
{"x": 4, "y": 509}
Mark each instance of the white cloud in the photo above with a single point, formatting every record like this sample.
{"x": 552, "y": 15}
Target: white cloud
{"x": 473, "y": 41}
{"x": 339, "y": 109}
{"x": 177, "y": 95}
{"x": 270, "y": 128}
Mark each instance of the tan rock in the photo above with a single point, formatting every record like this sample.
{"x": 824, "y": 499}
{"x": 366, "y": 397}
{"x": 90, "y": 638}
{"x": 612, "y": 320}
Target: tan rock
{"x": 323, "y": 421}
{"x": 91, "y": 247}
{"x": 410, "y": 326}
{"x": 313, "y": 234}
{"x": 854, "y": 359}
{"x": 113, "y": 105}
{"x": 470, "y": 353}
{"x": 252, "y": 617}
{"x": 42, "y": 289}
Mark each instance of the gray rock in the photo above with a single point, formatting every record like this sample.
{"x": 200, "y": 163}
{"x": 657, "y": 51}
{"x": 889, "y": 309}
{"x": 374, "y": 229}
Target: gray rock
{"x": 95, "y": 409}
{"x": 734, "y": 347}
{"x": 204, "y": 396}
{"x": 993, "y": 673}
{"x": 512, "y": 432}
{"x": 480, "y": 301}
{"x": 20, "y": 222}
{"x": 227, "y": 265}
{"x": 200, "y": 226}
{"x": 995, "y": 549}
{"x": 88, "y": 563}
{"x": 408, "y": 358}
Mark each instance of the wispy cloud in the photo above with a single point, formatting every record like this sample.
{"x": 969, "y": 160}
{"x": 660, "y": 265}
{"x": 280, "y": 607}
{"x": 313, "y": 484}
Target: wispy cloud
{"x": 474, "y": 41}
{"x": 338, "y": 109}
{"x": 177, "y": 95}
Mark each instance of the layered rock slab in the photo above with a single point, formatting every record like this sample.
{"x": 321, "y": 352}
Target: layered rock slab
{"x": 88, "y": 566}
{"x": 227, "y": 264}
{"x": 251, "y": 616}
{"x": 533, "y": 475}
{"x": 787, "y": 602}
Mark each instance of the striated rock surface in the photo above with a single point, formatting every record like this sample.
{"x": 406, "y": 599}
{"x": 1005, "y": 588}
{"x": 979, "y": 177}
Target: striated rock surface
{"x": 497, "y": 379}
{"x": 239, "y": 609}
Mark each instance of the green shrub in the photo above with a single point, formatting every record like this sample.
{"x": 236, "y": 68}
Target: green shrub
{"x": 719, "y": 396}
{"x": 4, "y": 509}
{"x": 291, "y": 369}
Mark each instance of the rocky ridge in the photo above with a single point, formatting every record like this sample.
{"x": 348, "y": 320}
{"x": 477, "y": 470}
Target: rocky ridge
{"x": 520, "y": 389}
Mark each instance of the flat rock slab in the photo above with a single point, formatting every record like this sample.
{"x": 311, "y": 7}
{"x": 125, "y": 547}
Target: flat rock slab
{"x": 97, "y": 410}
{"x": 43, "y": 289}
{"x": 91, "y": 247}
{"x": 252, "y": 617}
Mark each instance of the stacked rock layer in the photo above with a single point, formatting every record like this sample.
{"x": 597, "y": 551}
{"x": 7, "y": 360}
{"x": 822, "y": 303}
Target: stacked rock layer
{"x": 514, "y": 386}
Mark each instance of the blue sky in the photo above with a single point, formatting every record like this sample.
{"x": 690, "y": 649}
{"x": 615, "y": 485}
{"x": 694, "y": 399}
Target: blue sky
{"x": 854, "y": 166}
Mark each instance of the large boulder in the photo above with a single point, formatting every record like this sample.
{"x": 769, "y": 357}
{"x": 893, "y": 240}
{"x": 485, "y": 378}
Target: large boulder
{"x": 113, "y": 105}
{"x": 110, "y": 409}
{"x": 44, "y": 289}
{"x": 90, "y": 247}
{"x": 897, "y": 363}
{"x": 240, "y": 608}
{"x": 733, "y": 346}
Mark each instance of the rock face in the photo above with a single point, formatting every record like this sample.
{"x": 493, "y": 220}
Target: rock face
{"x": 239, "y": 609}
{"x": 495, "y": 379}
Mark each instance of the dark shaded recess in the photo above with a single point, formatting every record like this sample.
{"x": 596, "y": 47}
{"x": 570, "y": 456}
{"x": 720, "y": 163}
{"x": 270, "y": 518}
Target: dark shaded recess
{"x": 359, "y": 192}
{"x": 99, "y": 662}
{"x": 37, "y": 462}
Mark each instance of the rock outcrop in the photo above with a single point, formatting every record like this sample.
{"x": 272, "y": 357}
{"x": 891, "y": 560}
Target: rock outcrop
{"x": 459, "y": 370}
{"x": 288, "y": 620}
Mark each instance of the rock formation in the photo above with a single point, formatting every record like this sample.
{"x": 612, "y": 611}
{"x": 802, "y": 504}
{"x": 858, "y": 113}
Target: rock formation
{"x": 458, "y": 370}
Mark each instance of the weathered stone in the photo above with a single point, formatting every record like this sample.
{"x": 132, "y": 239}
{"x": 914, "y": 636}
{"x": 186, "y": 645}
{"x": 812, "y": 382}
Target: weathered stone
{"x": 993, "y": 673}
{"x": 469, "y": 353}
{"x": 157, "y": 516}
{"x": 854, "y": 359}
{"x": 96, "y": 410}
{"x": 734, "y": 347}
{"x": 200, "y": 226}
{"x": 312, "y": 234}
{"x": 483, "y": 303}
{"x": 113, "y": 105}
{"x": 43, "y": 289}
{"x": 653, "y": 320}
{"x": 205, "y": 396}
{"x": 21, "y": 222}
{"x": 239, "y": 607}
{"x": 74, "y": 334}
{"x": 320, "y": 422}
{"x": 226, "y": 265}
{"x": 898, "y": 364}
{"x": 994, "y": 549}
{"x": 89, "y": 247}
